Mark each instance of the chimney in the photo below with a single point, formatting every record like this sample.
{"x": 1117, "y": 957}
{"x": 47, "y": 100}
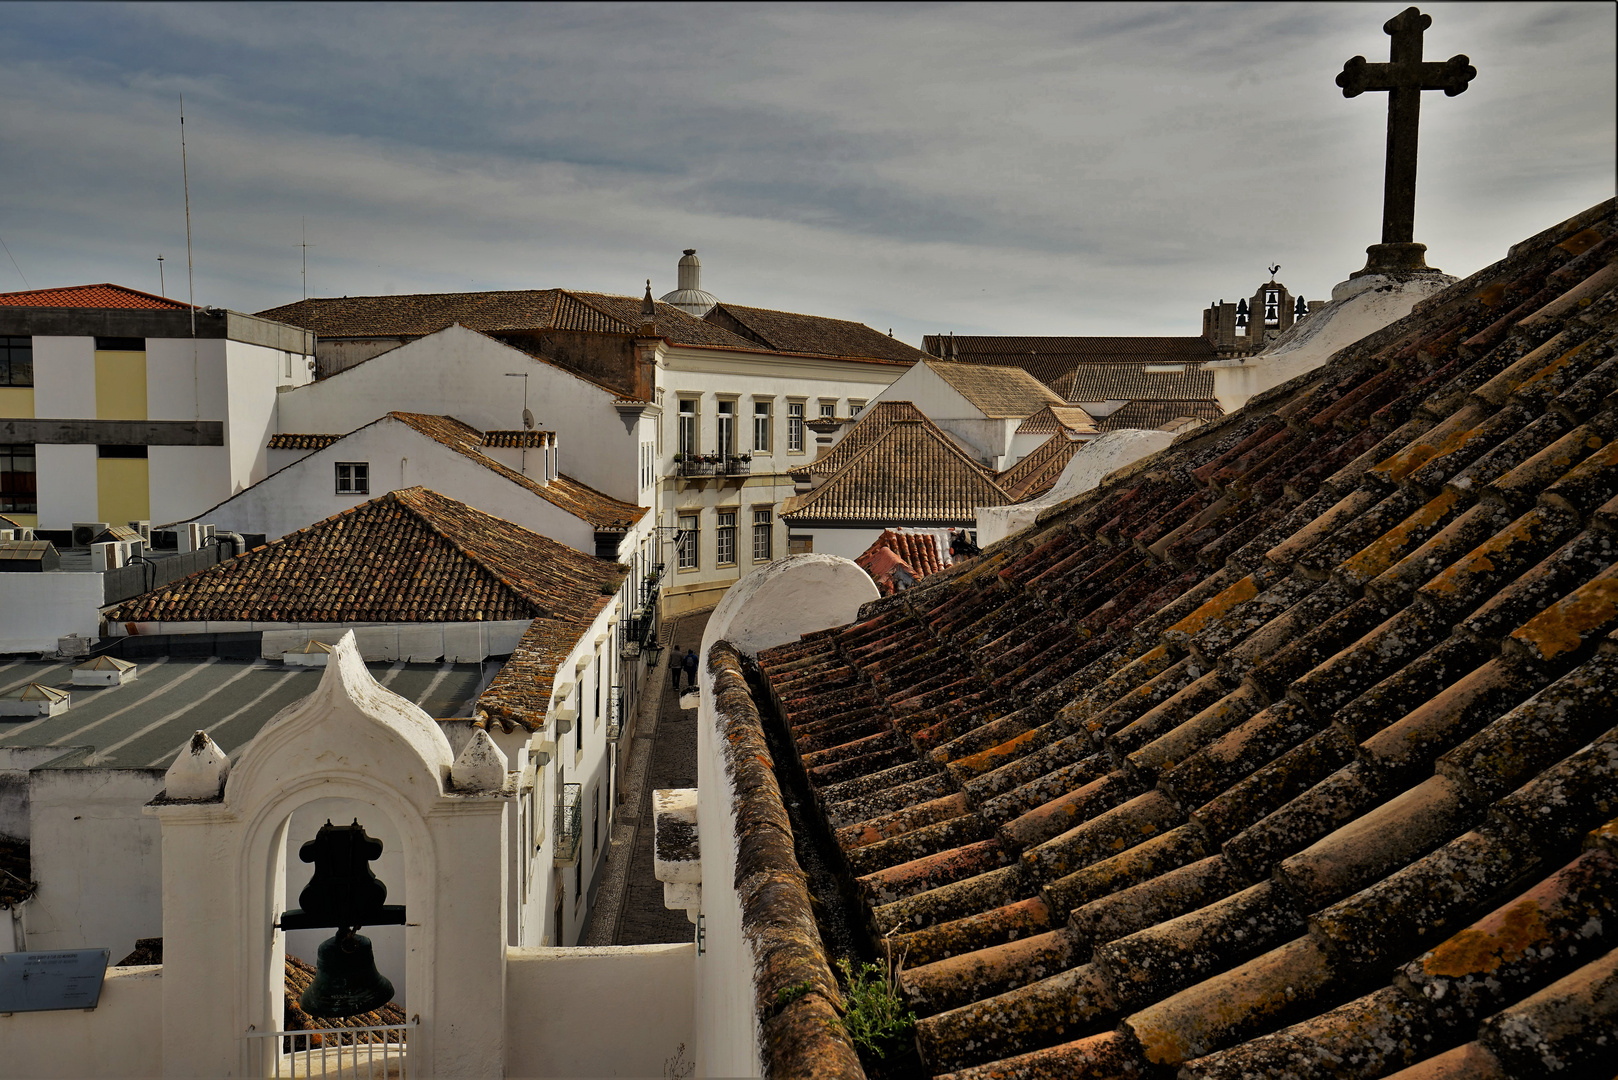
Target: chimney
{"x": 554, "y": 458}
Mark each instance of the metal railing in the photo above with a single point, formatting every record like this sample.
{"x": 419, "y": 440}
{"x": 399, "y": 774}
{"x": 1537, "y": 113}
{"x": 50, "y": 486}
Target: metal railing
{"x": 569, "y": 818}
{"x": 374, "y": 1052}
{"x": 694, "y": 467}
{"x": 735, "y": 466}
{"x": 615, "y": 713}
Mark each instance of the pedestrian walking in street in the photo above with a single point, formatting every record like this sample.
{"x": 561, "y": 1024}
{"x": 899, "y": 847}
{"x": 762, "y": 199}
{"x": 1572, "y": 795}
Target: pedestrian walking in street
{"x": 675, "y": 666}
{"x": 690, "y": 665}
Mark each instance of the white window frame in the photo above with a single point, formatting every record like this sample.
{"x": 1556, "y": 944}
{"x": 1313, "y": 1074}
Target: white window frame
{"x": 795, "y": 426}
{"x": 356, "y": 480}
{"x": 688, "y": 551}
{"x": 763, "y": 424}
{"x": 725, "y": 538}
{"x": 681, "y": 431}
{"x": 725, "y": 428}
{"x": 763, "y": 528}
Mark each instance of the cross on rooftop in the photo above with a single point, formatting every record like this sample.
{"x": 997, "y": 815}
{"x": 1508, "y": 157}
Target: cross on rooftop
{"x": 1404, "y": 77}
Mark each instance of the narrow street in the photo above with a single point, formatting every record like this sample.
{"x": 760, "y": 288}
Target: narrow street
{"x": 629, "y": 906}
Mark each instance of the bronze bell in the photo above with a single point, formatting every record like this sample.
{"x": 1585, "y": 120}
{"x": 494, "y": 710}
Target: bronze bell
{"x": 346, "y": 979}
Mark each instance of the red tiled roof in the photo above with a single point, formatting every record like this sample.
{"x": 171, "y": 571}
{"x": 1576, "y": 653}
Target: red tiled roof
{"x": 412, "y": 555}
{"x": 301, "y": 442}
{"x": 1287, "y": 752}
{"x": 917, "y": 553}
{"x": 103, "y": 296}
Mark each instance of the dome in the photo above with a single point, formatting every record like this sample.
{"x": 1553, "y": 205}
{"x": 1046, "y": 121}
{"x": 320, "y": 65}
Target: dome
{"x": 689, "y": 297}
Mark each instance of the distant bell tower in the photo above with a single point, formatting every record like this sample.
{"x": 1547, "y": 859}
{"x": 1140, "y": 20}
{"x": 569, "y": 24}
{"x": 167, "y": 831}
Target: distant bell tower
{"x": 1247, "y": 326}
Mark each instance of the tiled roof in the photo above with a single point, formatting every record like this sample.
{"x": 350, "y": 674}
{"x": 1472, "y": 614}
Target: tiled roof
{"x": 301, "y": 442}
{"x": 1152, "y": 415}
{"x": 582, "y": 501}
{"x": 912, "y": 474}
{"x": 515, "y": 439}
{"x": 520, "y": 694}
{"x": 1052, "y": 360}
{"x": 1038, "y": 472}
{"x": 417, "y": 314}
{"x": 1134, "y": 382}
{"x": 998, "y": 392}
{"x": 299, "y": 974}
{"x": 787, "y": 331}
{"x": 8, "y": 523}
{"x": 1288, "y": 751}
{"x": 90, "y": 296}
{"x": 918, "y": 552}
{"x": 867, "y": 429}
{"x": 1054, "y": 418}
{"x": 412, "y": 555}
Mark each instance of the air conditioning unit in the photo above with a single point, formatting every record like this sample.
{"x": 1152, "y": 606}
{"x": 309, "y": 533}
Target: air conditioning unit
{"x": 107, "y": 556}
{"x": 145, "y": 530}
{"x": 86, "y": 531}
{"x": 192, "y": 536}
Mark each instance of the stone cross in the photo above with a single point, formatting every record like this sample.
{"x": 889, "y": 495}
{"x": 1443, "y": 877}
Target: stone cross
{"x": 1404, "y": 77}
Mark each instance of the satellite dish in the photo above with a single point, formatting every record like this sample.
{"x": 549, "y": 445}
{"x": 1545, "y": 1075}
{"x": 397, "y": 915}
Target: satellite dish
{"x": 528, "y": 420}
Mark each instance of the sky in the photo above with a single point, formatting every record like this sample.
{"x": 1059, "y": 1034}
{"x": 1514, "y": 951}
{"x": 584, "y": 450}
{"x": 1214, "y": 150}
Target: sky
{"x": 976, "y": 168}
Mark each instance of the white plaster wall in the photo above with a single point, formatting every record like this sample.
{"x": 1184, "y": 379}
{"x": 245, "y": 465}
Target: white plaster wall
{"x": 463, "y": 374}
{"x": 387, "y": 942}
{"x": 96, "y": 857}
{"x": 184, "y": 480}
{"x": 936, "y": 399}
{"x": 64, "y": 378}
{"x": 305, "y": 491}
{"x": 121, "y": 1037}
{"x": 15, "y": 761}
{"x": 36, "y": 609}
{"x": 844, "y": 543}
{"x": 620, "y": 1011}
{"x": 987, "y": 440}
{"x": 1358, "y": 307}
{"x": 253, "y": 372}
{"x": 67, "y": 481}
{"x": 770, "y": 606}
{"x": 186, "y": 380}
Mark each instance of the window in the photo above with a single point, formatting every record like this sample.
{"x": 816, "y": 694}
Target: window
{"x": 762, "y": 426}
{"x": 727, "y": 429}
{"x": 855, "y": 408}
{"x": 595, "y": 820}
{"x": 686, "y": 443}
{"x": 353, "y": 478}
{"x": 121, "y": 451}
{"x": 762, "y": 541}
{"x": 120, "y": 344}
{"x": 598, "y": 689}
{"x": 725, "y": 539}
{"x": 19, "y": 491}
{"x": 16, "y": 361}
{"x": 686, "y": 545}
{"x": 795, "y": 427}
{"x": 578, "y": 715}
{"x": 828, "y": 409}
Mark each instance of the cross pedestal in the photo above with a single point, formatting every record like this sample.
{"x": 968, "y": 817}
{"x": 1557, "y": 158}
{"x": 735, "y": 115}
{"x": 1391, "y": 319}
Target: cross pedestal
{"x": 1404, "y": 78}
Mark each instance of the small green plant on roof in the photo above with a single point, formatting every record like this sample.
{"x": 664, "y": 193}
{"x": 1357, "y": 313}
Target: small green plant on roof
{"x": 877, "y": 1021}
{"x": 788, "y": 994}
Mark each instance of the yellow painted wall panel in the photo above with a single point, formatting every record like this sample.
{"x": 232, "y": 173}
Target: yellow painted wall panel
{"x": 27, "y": 521}
{"x": 17, "y": 402}
{"x": 123, "y": 490}
{"x": 120, "y": 386}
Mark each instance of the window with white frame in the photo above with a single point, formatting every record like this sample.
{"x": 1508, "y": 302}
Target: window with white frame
{"x": 763, "y": 426}
{"x": 725, "y": 539}
{"x": 794, "y": 427}
{"x": 762, "y": 535}
{"x": 686, "y": 547}
{"x": 687, "y": 442}
{"x": 353, "y": 478}
{"x": 828, "y": 409}
{"x": 855, "y": 408}
{"x": 727, "y": 429}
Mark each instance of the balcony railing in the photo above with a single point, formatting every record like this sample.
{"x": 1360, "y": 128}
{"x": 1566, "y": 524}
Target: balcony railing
{"x": 615, "y": 713}
{"x": 736, "y": 466}
{"x": 694, "y": 467}
{"x": 379, "y": 1050}
{"x": 568, "y": 825}
{"x": 714, "y": 465}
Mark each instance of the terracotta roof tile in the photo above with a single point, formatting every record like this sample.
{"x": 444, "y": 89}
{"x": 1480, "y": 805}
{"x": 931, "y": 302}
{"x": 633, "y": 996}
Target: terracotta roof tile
{"x": 911, "y": 474}
{"x": 515, "y": 439}
{"x": 1039, "y": 470}
{"x": 105, "y": 296}
{"x": 872, "y": 425}
{"x": 410, "y": 556}
{"x": 1355, "y": 648}
{"x": 1152, "y": 415}
{"x": 790, "y": 332}
{"x": 1092, "y": 368}
{"x": 1054, "y": 418}
{"x": 919, "y": 554}
{"x": 301, "y": 442}
{"x": 998, "y": 392}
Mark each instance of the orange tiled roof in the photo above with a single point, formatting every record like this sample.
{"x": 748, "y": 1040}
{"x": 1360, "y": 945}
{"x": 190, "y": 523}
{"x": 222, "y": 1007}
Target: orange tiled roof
{"x": 1286, "y": 752}
{"x": 90, "y": 296}
{"x": 301, "y": 442}
{"x": 911, "y": 474}
{"x": 1038, "y": 472}
{"x": 412, "y": 555}
{"x": 1058, "y": 418}
{"x": 917, "y": 552}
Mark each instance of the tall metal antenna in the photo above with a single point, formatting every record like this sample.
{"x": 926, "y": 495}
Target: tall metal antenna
{"x": 190, "y": 280}
{"x": 162, "y": 289}
{"x": 305, "y": 246}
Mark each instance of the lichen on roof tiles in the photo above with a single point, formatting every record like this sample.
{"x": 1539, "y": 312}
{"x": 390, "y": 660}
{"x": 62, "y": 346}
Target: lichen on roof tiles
{"x": 1223, "y": 767}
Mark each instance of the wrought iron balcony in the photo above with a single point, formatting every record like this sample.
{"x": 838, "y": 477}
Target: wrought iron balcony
{"x": 694, "y": 466}
{"x": 569, "y": 818}
{"x": 735, "y": 466}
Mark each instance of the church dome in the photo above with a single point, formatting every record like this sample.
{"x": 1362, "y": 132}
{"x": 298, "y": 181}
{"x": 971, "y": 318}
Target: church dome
{"x": 689, "y": 297}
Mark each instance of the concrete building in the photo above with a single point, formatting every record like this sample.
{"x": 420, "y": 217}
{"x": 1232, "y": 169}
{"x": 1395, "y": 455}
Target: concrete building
{"x": 119, "y": 406}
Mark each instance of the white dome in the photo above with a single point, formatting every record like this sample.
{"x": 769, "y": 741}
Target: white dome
{"x": 689, "y": 297}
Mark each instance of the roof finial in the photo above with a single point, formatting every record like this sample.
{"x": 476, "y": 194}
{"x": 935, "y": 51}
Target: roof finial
{"x": 647, "y": 308}
{"x": 1273, "y": 269}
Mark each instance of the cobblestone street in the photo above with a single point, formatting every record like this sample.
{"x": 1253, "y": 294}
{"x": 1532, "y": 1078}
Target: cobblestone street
{"x": 629, "y": 907}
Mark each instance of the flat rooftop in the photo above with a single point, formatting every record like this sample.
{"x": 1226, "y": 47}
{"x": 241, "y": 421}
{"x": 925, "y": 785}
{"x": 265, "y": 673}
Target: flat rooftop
{"x": 145, "y": 723}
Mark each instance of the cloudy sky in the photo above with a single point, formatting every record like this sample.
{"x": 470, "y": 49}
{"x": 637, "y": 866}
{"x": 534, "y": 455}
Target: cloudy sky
{"x": 1051, "y": 169}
